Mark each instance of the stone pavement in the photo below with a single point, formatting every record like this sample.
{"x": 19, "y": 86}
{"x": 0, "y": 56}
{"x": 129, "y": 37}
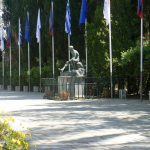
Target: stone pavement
{"x": 102, "y": 124}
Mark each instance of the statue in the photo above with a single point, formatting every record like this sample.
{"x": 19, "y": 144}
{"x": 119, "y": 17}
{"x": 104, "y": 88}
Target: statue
{"x": 77, "y": 66}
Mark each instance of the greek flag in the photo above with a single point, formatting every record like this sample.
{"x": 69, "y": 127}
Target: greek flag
{"x": 38, "y": 27}
{"x": 68, "y": 19}
{"x": 19, "y": 34}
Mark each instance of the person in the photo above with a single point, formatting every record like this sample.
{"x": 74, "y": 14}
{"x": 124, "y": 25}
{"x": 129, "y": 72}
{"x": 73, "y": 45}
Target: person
{"x": 74, "y": 61}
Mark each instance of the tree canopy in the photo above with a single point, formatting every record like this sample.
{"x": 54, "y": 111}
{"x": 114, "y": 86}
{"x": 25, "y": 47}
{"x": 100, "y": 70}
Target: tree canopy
{"x": 125, "y": 34}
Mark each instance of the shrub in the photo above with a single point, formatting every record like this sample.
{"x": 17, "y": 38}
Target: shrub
{"x": 11, "y": 139}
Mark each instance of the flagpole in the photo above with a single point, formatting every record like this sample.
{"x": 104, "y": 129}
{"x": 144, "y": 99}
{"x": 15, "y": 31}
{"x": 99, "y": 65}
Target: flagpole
{"x": 38, "y": 36}
{"x": 141, "y": 61}
{"x": 3, "y": 73}
{"x": 53, "y": 54}
{"x": 10, "y": 60}
{"x": 19, "y": 52}
{"x": 68, "y": 28}
{"x": 28, "y": 59}
{"x": 69, "y": 49}
{"x": 19, "y": 65}
{"x": 40, "y": 52}
{"x": 40, "y": 57}
{"x": 86, "y": 48}
{"x": 110, "y": 51}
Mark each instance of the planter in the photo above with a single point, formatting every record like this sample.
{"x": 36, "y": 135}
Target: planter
{"x": 35, "y": 88}
{"x": 64, "y": 95}
{"x": 17, "y": 88}
{"x": 25, "y": 88}
{"x": 9, "y": 87}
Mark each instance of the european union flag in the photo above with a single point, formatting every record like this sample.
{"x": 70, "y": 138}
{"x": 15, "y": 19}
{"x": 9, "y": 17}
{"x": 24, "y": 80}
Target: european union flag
{"x": 68, "y": 19}
{"x": 51, "y": 20}
{"x": 140, "y": 8}
{"x": 27, "y": 30}
{"x": 83, "y": 12}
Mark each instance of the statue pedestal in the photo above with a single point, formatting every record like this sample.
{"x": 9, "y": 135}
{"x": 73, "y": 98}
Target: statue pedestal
{"x": 70, "y": 87}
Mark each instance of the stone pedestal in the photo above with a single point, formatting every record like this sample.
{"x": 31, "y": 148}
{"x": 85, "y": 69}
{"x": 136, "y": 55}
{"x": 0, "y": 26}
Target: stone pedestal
{"x": 70, "y": 87}
{"x": 1, "y": 87}
{"x": 35, "y": 88}
{"x": 9, "y": 87}
{"x": 17, "y": 88}
{"x": 25, "y": 88}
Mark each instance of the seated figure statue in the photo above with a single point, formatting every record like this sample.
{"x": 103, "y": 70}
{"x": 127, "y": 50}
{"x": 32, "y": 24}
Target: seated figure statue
{"x": 77, "y": 66}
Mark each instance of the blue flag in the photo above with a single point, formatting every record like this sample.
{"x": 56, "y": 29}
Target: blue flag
{"x": 19, "y": 34}
{"x": 51, "y": 20}
{"x": 68, "y": 19}
{"x": 83, "y": 12}
{"x": 27, "y": 30}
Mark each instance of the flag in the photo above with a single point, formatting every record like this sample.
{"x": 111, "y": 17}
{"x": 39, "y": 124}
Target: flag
{"x": 106, "y": 11}
{"x": 140, "y": 8}
{"x": 51, "y": 20}
{"x": 83, "y": 12}
{"x": 19, "y": 34}
{"x": 8, "y": 37}
{"x": 68, "y": 19}
{"x": 27, "y": 30}
{"x": 38, "y": 27}
{"x": 2, "y": 40}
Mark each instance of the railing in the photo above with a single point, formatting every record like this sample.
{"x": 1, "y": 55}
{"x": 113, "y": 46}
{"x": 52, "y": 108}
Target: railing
{"x": 92, "y": 88}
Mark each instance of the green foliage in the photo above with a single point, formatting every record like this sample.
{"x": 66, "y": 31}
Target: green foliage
{"x": 12, "y": 139}
{"x": 24, "y": 78}
{"x": 35, "y": 77}
{"x": 131, "y": 59}
{"x": 125, "y": 34}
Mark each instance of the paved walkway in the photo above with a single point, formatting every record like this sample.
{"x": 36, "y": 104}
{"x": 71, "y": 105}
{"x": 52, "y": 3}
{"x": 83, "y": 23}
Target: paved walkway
{"x": 81, "y": 125}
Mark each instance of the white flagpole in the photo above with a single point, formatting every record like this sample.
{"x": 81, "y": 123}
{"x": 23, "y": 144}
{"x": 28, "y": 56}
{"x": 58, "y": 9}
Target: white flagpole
{"x": 141, "y": 61}
{"x": 110, "y": 51}
{"x": 38, "y": 36}
{"x": 3, "y": 66}
{"x": 86, "y": 49}
{"x": 40, "y": 58}
{"x": 10, "y": 59}
{"x": 29, "y": 58}
{"x": 69, "y": 49}
{"x": 110, "y": 48}
{"x": 53, "y": 54}
{"x": 19, "y": 52}
{"x": 107, "y": 16}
